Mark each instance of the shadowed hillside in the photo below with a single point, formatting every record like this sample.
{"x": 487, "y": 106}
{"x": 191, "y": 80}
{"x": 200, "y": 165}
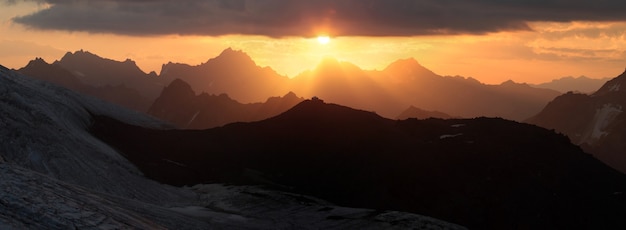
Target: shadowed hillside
{"x": 484, "y": 173}
{"x": 596, "y": 121}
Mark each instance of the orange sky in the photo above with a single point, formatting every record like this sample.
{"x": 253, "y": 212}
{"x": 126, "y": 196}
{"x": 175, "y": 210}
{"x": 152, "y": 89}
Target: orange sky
{"x": 549, "y": 50}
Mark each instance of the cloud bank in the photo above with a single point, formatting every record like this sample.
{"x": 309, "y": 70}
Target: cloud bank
{"x": 280, "y": 18}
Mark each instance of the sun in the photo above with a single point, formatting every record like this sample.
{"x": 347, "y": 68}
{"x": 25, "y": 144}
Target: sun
{"x": 323, "y": 39}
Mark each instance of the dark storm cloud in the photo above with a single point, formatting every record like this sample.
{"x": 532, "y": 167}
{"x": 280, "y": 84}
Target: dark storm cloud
{"x": 277, "y": 18}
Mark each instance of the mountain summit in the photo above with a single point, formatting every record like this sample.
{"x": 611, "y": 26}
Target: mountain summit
{"x": 232, "y": 72}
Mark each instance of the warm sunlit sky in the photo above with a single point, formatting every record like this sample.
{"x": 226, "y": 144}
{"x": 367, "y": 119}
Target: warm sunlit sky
{"x": 490, "y": 40}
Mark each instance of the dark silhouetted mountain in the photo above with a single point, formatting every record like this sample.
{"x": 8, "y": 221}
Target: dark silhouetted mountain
{"x": 579, "y": 84}
{"x": 54, "y": 174}
{"x": 232, "y": 72}
{"x": 118, "y": 94}
{"x": 485, "y": 173}
{"x": 180, "y": 105}
{"x": 413, "y": 112}
{"x": 97, "y": 71}
{"x": 596, "y": 121}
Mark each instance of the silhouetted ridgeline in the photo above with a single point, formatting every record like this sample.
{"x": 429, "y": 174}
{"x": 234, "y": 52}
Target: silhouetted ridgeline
{"x": 120, "y": 94}
{"x": 484, "y": 173}
{"x": 179, "y": 105}
{"x": 596, "y": 122}
{"x": 413, "y": 112}
{"x": 388, "y": 92}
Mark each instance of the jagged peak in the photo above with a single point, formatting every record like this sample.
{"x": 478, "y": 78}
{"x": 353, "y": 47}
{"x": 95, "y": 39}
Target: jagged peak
{"x": 79, "y": 53}
{"x": 231, "y": 53}
{"x": 37, "y": 61}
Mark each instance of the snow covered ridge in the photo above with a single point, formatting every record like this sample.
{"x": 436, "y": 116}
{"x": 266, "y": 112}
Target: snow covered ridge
{"x": 44, "y": 128}
{"x": 55, "y": 175}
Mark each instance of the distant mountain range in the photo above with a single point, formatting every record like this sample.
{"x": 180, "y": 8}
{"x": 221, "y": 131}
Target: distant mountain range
{"x": 596, "y": 121}
{"x": 180, "y": 105}
{"x": 388, "y": 92}
{"x": 55, "y": 174}
{"x": 55, "y": 73}
{"x": 484, "y": 173}
{"x": 580, "y": 84}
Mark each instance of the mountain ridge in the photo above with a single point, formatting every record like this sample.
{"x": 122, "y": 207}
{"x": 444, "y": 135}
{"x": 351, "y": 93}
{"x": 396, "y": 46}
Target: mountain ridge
{"x": 55, "y": 174}
{"x": 180, "y": 105}
{"x": 462, "y": 170}
{"x": 402, "y": 83}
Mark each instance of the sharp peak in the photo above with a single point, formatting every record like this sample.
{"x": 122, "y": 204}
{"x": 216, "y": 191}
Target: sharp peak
{"x": 232, "y": 52}
{"x": 290, "y": 94}
{"x": 37, "y": 60}
{"x": 406, "y": 63}
{"x": 84, "y": 53}
{"x": 80, "y": 52}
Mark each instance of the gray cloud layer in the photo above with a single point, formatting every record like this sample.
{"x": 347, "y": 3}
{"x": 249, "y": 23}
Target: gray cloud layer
{"x": 278, "y": 18}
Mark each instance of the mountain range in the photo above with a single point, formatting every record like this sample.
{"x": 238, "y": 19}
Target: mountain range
{"x": 70, "y": 161}
{"x": 580, "y": 84}
{"x": 388, "y": 92}
{"x": 57, "y": 74}
{"x": 179, "y": 105}
{"x": 595, "y": 121}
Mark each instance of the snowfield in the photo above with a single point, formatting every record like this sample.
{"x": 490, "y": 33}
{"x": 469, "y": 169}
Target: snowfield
{"x": 55, "y": 175}
{"x": 601, "y": 120}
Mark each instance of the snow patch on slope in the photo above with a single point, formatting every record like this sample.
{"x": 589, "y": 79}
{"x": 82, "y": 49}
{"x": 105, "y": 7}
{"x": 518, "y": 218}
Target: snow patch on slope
{"x": 602, "y": 119}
